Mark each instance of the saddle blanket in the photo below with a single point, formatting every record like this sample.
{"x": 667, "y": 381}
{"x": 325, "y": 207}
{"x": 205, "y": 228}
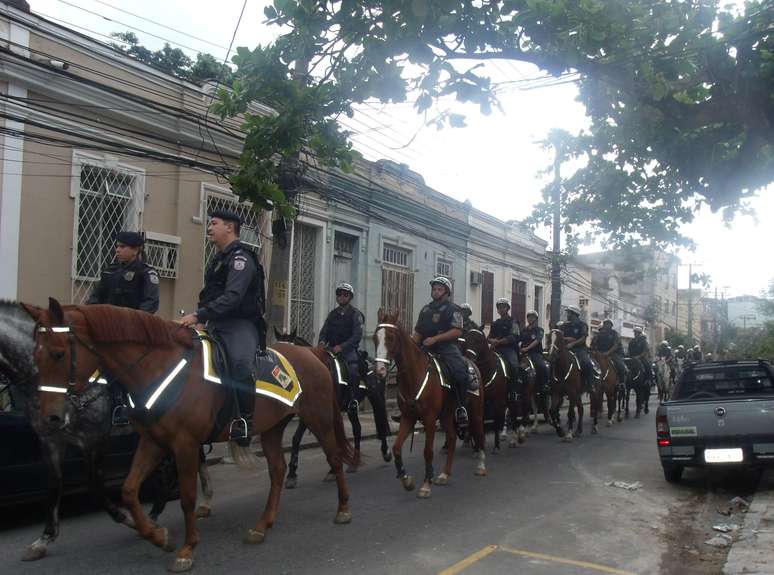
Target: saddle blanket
{"x": 274, "y": 376}
{"x": 443, "y": 374}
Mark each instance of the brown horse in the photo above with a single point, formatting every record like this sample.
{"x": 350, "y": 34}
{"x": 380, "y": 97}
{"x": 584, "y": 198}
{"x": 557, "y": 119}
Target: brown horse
{"x": 495, "y": 384}
{"x": 608, "y": 388}
{"x": 160, "y": 361}
{"x": 422, "y": 397}
{"x": 566, "y": 380}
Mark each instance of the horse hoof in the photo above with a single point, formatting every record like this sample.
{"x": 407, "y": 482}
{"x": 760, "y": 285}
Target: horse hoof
{"x": 594, "y": 430}
{"x": 521, "y": 439}
{"x": 202, "y": 512}
{"x": 513, "y": 443}
{"x": 423, "y": 493}
{"x": 291, "y": 483}
{"x": 408, "y": 482}
{"x": 181, "y": 565}
{"x": 442, "y": 479}
{"x": 610, "y": 423}
{"x": 480, "y": 472}
{"x": 351, "y": 468}
{"x": 387, "y": 456}
{"x": 254, "y": 536}
{"x": 620, "y": 419}
{"x": 330, "y": 477}
{"x": 34, "y": 552}
{"x": 168, "y": 545}
{"x": 342, "y": 518}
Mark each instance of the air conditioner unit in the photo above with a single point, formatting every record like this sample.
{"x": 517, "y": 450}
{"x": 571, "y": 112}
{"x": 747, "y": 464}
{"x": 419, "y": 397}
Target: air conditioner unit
{"x": 475, "y": 278}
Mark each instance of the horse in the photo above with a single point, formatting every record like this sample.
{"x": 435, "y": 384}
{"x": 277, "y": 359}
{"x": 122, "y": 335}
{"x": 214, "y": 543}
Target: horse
{"x": 372, "y": 392}
{"x": 536, "y": 396}
{"x": 422, "y": 396}
{"x": 663, "y": 379}
{"x": 161, "y": 364}
{"x": 494, "y": 379}
{"x": 636, "y": 381}
{"x": 87, "y": 429}
{"x": 566, "y": 380}
{"x": 608, "y": 387}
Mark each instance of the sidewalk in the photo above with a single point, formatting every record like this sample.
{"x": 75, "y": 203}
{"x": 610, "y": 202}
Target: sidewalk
{"x": 752, "y": 552}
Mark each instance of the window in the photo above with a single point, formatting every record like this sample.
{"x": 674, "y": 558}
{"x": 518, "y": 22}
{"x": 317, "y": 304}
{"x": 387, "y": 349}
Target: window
{"x": 443, "y": 268}
{"x": 537, "y": 303}
{"x": 395, "y": 256}
{"x": 107, "y": 200}
{"x": 666, "y": 307}
{"x": 161, "y": 252}
{"x": 250, "y": 231}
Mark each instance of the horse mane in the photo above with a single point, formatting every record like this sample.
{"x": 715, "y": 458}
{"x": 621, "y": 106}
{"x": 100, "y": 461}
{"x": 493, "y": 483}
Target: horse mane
{"x": 111, "y": 324}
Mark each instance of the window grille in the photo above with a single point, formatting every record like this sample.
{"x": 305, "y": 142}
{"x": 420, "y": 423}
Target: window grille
{"x": 250, "y": 231}
{"x": 395, "y": 256}
{"x": 344, "y": 245}
{"x": 108, "y": 200}
{"x": 443, "y": 268}
{"x": 161, "y": 252}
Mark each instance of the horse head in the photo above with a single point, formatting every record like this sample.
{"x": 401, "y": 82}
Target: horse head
{"x": 64, "y": 356}
{"x": 388, "y": 337}
{"x": 474, "y": 344}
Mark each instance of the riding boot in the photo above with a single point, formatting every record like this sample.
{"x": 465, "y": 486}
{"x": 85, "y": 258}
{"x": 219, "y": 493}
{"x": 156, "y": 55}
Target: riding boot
{"x": 241, "y": 426}
{"x": 461, "y": 414}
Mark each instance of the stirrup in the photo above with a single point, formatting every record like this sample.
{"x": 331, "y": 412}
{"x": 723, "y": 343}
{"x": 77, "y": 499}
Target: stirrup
{"x": 354, "y": 405}
{"x": 119, "y": 418}
{"x": 461, "y": 416}
{"x": 238, "y": 429}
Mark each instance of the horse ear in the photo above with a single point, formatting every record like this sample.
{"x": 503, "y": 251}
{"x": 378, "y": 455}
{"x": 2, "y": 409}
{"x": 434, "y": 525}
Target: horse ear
{"x": 55, "y": 309}
{"x": 32, "y": 310}
{"x": 380, "y": 315}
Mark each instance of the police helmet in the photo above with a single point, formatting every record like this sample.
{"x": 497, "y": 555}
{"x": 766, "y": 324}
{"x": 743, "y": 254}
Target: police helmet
{"x": 345, "y": 287}
{"x": 532, "y": 312}
{"x": 134, "y": 239}
{"x": 681, "y": 347}
{"x": 503, "y": 301}
{"x": 442, "y": 281}
{"x": 573, "y": 309}
{"x": 665, "y": 343}
{"x": 466, "y": 307}
{"x": 607, "y": 321}
{"x": 637, "y": 329}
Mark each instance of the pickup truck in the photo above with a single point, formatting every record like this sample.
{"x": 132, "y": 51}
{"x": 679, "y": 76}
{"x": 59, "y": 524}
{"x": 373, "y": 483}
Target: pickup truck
{"x": 720, "y": 414}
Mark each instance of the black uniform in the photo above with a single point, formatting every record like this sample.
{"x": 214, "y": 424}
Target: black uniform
{"x": 528, "y": 335}
{"x": 506, "y": 328}
{"x": 231, "y": 304}
{"x": 579, "y": 330}
{"x": 344, "y": 327}
{"x": 607, "y": 340}
{"x": 134, "y": 285}
{"x": 638, "y": 346}
{"x": 436, "y": 318}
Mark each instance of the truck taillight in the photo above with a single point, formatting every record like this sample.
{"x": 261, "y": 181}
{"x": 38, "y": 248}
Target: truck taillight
{"x": 662, "y": 427}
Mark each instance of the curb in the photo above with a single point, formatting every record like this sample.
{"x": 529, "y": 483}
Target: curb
{"x": 750, "y": 552}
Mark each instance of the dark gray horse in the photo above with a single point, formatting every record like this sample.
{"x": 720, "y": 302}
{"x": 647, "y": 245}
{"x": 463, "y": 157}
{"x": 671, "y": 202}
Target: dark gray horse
{"x": 87, "y": 423}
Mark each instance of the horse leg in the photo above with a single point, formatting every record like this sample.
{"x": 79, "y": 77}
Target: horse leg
{"x": 271, "y": 441}
{"x": 164, "y": 476}
{"x": 594, "y": 411}
{"x": 187, "y": 458}
{"x": 357, "y": 432}
{"x": 447, "y": 422}
{"x": 406, "y": 427}
{"x": 610, "y": 396}
{"x": 499, "y": 422}
{"x": 477, "y": 431}
{"x": 424, "y": 490}
{"x": 292, "y": 480}
{"x": 553, "y": 412}
{"x": 146, "y": 458}
{"x": 205, "y": 507}
{"x": 52, "y": 455}
{"x": 579, "y": 405}
{"x": 380, "y": 419}
{"x": 94, "y": 457}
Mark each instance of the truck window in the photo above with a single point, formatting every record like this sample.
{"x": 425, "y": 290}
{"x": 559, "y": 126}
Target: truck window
{"x": 725, "y": 381}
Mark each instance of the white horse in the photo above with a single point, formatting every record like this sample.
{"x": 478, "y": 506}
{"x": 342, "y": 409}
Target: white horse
{"x": 663, "y": 379}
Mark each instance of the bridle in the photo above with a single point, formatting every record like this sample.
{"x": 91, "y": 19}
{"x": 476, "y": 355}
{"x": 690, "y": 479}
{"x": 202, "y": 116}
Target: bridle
{"x": 389, "y": 362}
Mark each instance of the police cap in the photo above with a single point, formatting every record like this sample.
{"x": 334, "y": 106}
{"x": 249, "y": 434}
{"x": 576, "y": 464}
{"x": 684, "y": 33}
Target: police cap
{"x": 226, "y": 215}
{"x": 134, "y": 239}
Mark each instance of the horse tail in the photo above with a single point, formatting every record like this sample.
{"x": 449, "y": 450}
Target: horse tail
{"x": 347, "y": 452}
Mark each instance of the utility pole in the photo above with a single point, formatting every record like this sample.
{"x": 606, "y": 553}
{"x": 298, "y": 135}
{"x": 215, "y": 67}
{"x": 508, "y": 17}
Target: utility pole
{"x": 690, "y": 303}
{"x": 556, "y": 199}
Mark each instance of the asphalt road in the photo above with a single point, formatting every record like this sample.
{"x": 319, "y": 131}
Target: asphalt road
{"x": 544, "y": 508}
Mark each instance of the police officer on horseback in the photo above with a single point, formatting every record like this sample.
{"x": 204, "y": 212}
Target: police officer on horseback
{"x": 639, "y": 350}
{"x": 341, "y": 334}
{"x": 531, "y": 345}
{"x": 504, "y": 338}
{"x": 467, "y": 323}
{"x": 438, "y": 327}
{"x": 575, "y": 332}
{"x": 231, "y": 304}
{"x": 130, "y": 282}
{"x": 608, "y": 342}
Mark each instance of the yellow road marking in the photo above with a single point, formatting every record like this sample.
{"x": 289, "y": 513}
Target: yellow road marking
{"x": 554, "y": 559}
{"x": 469, "y": 560}
{"x": 480, "y": 554}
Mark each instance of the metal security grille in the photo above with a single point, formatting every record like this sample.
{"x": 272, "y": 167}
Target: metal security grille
{"x": 250, "y": 231}
{"x": 398, "y": 294}
{"x": 395, "y": 256}
{"x": 302, "y": 294}
{"x": 443, "y": 268}
{"x": 108, "y": 201}
{"x": 161, "y": 252}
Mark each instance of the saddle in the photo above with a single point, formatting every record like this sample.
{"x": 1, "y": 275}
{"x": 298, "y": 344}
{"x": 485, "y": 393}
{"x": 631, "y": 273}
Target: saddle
{"x": 443, "y": 372}
{"x": 340, "y": 369}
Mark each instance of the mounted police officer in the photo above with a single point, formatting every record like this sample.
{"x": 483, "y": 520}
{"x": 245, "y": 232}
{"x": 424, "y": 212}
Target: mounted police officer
{"x": 639, "y": 349}
{"x": 608, "y": 342}
{"x": 437, "y": 329}
{"x": 467, "y": 323}
{"x": 231, "y": 305}
{"x": 129, "y": 282}
{"x": 575, "y": 332}
{"x": 695, "y": 354}
{"x": 531, "y": 344}
{"x": 504, "y": 339}
{"x": 341, "y": 333}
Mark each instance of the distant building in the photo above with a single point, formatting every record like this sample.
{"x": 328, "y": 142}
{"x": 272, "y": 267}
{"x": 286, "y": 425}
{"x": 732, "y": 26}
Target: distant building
{"x": 744, "y": 312}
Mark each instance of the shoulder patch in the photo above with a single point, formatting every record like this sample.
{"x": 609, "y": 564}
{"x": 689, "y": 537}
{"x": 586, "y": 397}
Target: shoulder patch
{"x": 153, "y": 276}
{"x": 239, "y": 264}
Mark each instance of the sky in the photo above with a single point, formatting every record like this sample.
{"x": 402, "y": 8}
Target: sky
{"x": 494, "y": 161}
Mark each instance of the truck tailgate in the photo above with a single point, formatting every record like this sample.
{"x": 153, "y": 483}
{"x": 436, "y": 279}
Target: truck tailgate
{"x": 716, "y": 419}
